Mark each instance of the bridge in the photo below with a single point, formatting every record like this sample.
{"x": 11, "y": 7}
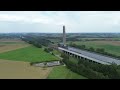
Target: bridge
{"x": 90, "y": 56}
{"x": 86, "y": 55}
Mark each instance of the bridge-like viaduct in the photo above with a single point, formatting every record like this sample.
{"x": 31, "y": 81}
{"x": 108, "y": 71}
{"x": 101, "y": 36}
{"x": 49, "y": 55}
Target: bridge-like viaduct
{"x": 91, "y": 57}
{"x": 86, "y": 55}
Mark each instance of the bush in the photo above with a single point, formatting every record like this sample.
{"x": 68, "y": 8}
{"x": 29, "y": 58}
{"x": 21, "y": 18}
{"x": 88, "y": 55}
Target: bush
{"x": 50, "y": 49}
{"x": 91, "y": 49}
{"x": 46, "y": 50}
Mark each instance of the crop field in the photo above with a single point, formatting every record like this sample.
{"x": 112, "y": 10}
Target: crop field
{"x": 112, "y": 39}
{"x": 15, "y": 58}
{"x": 109, "y": 46}
{"x": 21, "y": 70}
{"x": 11, "y": 41}
{"x": 28, "y": 54}
{"x": 11, "y": 44}
{"x": 61, "y": 72}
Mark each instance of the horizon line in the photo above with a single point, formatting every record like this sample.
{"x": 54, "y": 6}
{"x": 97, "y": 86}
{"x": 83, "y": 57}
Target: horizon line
{"x": 59, "y": 32}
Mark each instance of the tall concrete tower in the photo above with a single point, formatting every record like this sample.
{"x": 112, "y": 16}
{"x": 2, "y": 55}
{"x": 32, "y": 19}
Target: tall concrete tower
{"x": 64, "y": 36}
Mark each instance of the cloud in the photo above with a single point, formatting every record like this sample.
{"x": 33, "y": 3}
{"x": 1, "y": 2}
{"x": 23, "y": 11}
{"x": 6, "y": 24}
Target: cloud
{"x": 75, "y": 21}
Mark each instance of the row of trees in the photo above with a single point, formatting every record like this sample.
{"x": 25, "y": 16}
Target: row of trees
{"x": 48, "y": 50}
{"x": 97, "y": 50}
{"x": 92, "y": 70}
{"x": 36, "y": 41}
{"x": 31, "y": 41}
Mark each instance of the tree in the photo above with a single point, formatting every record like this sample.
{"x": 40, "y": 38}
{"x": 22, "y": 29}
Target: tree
{"x": 100, "y": 50}
{"x": 64, "y": 56}
{"x": 50, "y": 49}
{"x": 46, "y": 50}
{"x": 83, "y": 46}
{"x": 91, "y": 49}
{"x": 39, "y": 46}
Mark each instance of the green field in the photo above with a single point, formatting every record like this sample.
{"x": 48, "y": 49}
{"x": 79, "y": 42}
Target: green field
{"x": 56, "y": 52}
{"x": 113, "y": 49}
{"x": 28, "y": 54}
{"x": 61, "y": 72}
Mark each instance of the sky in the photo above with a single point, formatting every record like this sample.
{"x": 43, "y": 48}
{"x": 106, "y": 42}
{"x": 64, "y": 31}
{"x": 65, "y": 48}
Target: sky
{"x": 52, "y": 21}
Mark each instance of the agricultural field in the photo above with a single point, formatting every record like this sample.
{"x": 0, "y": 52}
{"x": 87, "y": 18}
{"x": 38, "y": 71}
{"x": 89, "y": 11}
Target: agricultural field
{"x": 10, "y": 40}
{"x": 11, "y": 44}
{"x": 112, "y": 47}
{"x": 21, "y": 70}
{"x": 110, "y": 39}
{"x": 28, "y": 54}
{"x": 61, "y": 72}
{"x": 15, "y": 58}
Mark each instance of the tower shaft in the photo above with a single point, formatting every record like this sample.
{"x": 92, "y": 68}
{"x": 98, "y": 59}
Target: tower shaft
{"x": 64, "y": 36}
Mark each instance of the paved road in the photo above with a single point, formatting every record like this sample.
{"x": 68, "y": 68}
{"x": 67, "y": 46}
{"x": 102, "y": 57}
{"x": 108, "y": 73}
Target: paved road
{"x": 95, "y": 55}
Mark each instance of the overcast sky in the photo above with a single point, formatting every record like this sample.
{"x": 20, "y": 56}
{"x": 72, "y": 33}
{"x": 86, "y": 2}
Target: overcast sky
{"x": 52, "y": 21}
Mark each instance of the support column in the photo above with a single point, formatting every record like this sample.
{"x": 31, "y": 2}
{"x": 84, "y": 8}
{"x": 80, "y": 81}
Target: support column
{"x": 77, "y": 57}
{"x": 82, "y": 58}
{"x": 64, "y": 52}
{"x": 68, "y": 53}
{"x": 73, "y": 55}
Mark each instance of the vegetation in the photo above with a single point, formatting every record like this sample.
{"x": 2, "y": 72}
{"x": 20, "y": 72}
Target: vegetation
{"x": 48, "y": 50}
{"x": 56, "y": 52}
{"x": 12, "y": 43}
{"x": 110, "y": 47}
{"x": 75, "y": 69}
{"x": 28, "y": 54}
{"x": 54, "y": 40}
{"x": 98, "y": 50}
{"x": 21, "y": 70}
{"x": 61, "y": 72}
{"x": 92, "y": 70}
{"x": 36, "y": 41}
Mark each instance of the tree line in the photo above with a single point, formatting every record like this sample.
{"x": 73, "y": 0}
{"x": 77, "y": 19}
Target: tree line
{"x": 91, "y": 70}
{"x": 36, "y": 41}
